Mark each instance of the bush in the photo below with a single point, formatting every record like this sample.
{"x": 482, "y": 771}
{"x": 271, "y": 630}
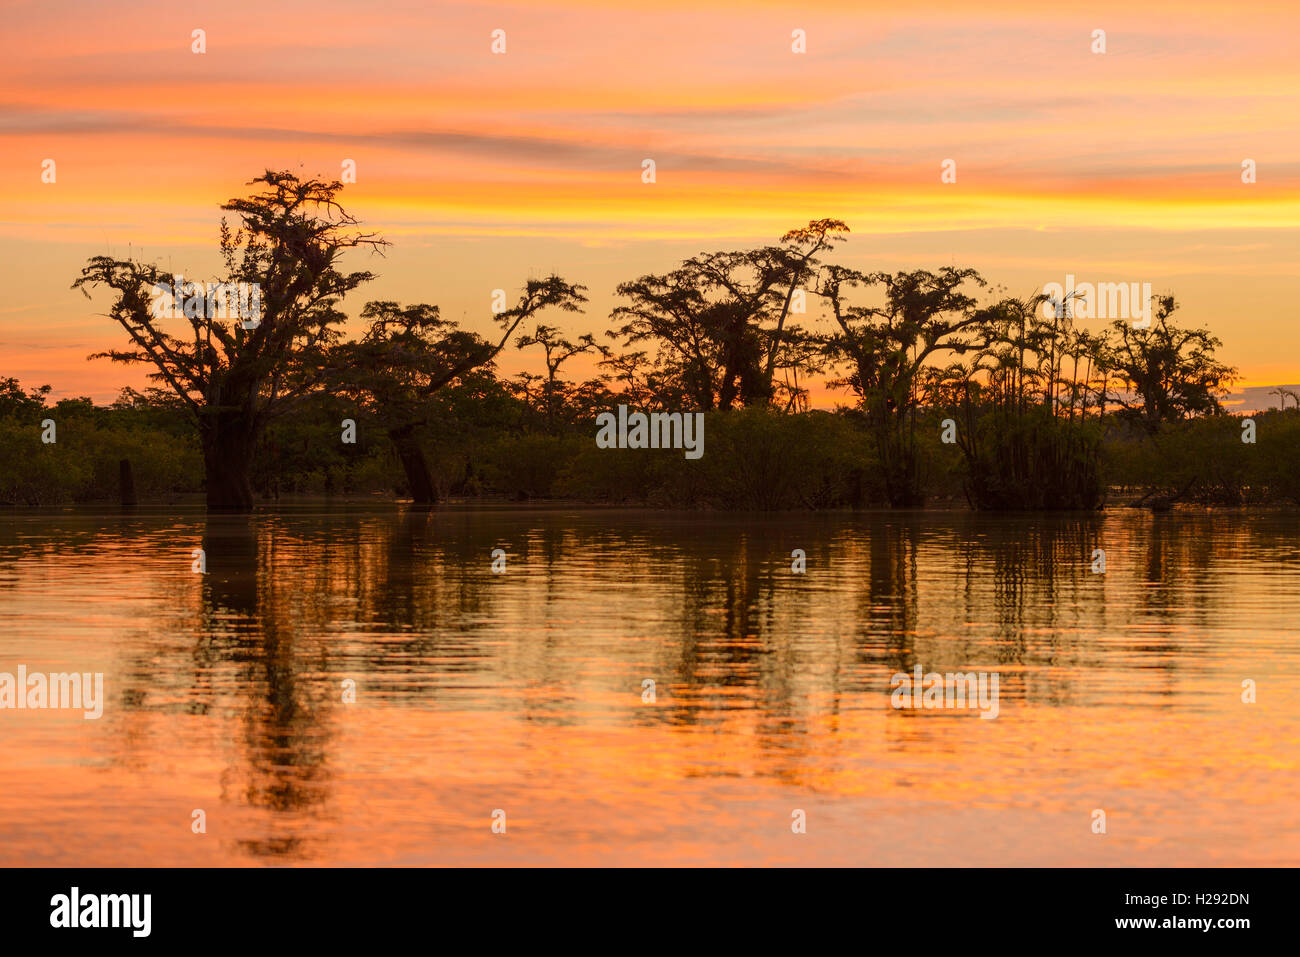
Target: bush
{"x": 753, "y": 458}
{"x": 83, "y": 464}
{"x": 527, "y": 466}
{"x": 1275, "y": 462}
{"x": 1033, "y": 461}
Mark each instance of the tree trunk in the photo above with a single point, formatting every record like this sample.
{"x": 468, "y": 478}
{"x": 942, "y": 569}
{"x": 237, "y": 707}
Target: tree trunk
{"x": 126, "y": 483}
{"x": 228, "y": 459}
{"x": 416, "y": 465}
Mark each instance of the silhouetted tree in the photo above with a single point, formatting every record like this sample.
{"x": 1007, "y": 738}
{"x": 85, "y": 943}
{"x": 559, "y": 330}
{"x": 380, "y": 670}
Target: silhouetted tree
{"x": 557, "y": 351}
{"x": 15, "y": 403}
{"x": 886, "y": 348}
{"x": 718, "y": 320}
{"x": 407, "y": 355}
{"x": 234, "y": 374}
{"x": 800, "y": 248}
{"x": 1282, "y": 393}
{"x": 1165, "y": 373}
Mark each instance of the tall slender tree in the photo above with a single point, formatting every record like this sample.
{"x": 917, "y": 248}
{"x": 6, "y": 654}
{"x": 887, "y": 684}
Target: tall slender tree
{"x": 557, "y": 351}
{"x": 800, "y": 248}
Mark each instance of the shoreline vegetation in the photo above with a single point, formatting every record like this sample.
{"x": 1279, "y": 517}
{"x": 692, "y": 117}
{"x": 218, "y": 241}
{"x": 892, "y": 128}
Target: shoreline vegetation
{"x": 956, "y": 395}
{"x": 757, "y": 460}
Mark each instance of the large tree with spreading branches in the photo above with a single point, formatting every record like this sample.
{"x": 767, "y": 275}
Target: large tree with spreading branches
{"x": 234, "y": 372}
{"x": 409, "y": 354}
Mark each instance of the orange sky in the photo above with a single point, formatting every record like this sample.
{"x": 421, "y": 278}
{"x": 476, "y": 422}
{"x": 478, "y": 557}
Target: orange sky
{"x": 485, "y": 169}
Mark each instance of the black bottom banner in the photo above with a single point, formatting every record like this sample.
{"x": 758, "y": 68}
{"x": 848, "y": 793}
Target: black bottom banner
{"x": 1164, "y": 907}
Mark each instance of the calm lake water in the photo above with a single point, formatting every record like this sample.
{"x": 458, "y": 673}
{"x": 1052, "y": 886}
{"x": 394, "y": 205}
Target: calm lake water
{"x": 522, "y": 691}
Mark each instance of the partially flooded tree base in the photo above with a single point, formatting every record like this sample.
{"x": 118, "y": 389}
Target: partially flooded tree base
{"x": 419, "y": 478}
{"x": 229, "y": 486}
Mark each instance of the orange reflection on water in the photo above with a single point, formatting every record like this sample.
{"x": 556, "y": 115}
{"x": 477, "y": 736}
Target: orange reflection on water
{"x": 524, "y": 691}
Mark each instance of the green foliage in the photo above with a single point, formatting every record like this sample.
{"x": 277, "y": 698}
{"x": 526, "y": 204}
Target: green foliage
{"x": 83, "y": 464}
{"x": 35, "y": 474}
{"x": 527, "y": 466}
{"x": 1204, "y": 461}
{"x": 754, "y": 459}
{"x": 14, "y": 402}
{"x": 1276, "y": 455}
{"x": 1034, "y": 461}
{"x": 762, "y": 460}
{"x": 303, "y": 452}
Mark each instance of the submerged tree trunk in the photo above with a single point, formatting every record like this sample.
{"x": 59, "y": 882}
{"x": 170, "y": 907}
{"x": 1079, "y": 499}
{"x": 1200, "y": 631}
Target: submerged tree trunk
{"x": 228, "y": 460}
{"x": 126, "y": 483}
{"x": 410, "y": 451}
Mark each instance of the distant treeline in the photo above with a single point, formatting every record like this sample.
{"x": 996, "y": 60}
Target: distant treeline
{"x": 999, "y": 402}
{"x": 492, "y": 445}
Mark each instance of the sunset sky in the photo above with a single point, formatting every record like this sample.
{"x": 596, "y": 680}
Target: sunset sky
{"x": 484, "y": 169}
